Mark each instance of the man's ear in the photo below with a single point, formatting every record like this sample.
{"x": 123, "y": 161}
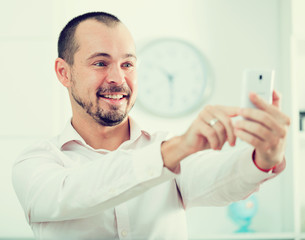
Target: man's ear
{"x": 62, "y": 69}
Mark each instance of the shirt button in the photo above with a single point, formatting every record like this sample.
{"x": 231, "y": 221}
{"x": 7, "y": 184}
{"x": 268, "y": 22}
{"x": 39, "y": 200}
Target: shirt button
{"x": 124, "y": 233}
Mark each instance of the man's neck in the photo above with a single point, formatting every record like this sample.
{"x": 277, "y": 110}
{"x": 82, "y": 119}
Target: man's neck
{"x": 102, "y": 137}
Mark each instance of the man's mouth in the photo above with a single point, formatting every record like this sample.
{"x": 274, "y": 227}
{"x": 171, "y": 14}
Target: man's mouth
{"x": 113, "y": 96}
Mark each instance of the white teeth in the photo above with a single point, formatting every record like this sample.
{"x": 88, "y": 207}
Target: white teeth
{"x": 113, "y": 96}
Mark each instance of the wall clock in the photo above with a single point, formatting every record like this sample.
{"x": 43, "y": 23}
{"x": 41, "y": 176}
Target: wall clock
{"x": 172, "y": 78}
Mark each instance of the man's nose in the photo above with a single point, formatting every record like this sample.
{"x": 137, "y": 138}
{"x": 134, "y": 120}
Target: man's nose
{"x": 116, "y": 75}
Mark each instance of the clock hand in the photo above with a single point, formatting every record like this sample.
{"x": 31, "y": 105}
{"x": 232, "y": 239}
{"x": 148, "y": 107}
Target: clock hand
{"x": 171, "y": 88}
{"x": 168, "y": 75}
{"x": 170, "y": 78}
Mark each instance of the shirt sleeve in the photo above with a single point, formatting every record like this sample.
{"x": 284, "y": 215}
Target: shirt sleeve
{"x": 213, "y": 178}
{"x": 48, "y": 191}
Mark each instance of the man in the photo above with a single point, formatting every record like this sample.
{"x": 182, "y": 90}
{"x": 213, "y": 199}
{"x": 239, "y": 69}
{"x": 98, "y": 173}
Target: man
{"x": 104, "y": 177}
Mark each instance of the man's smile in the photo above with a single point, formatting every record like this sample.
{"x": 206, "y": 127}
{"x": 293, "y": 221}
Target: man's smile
{"x": 117, "y": 98}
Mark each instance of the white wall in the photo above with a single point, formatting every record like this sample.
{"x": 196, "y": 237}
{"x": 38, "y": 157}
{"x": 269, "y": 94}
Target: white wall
{"x": 26, "y": 94}
{"x": 298, "y": 56}
{"x": 232, "y": 35}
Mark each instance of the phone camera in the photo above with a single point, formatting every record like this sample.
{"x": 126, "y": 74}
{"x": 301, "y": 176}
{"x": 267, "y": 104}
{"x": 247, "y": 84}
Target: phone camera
{"x": 260, "y": 77}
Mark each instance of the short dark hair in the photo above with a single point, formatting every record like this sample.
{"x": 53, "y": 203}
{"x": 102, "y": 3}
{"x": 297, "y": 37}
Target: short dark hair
{"x": 67, "y": 44}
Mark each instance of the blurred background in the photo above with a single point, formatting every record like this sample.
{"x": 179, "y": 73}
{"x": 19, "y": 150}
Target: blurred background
{"x": 231, "y": 34}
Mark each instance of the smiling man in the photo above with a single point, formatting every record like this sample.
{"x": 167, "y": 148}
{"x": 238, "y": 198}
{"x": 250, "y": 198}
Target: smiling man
{"x": 100, "y": 74}
{"x": 104, "y": 177}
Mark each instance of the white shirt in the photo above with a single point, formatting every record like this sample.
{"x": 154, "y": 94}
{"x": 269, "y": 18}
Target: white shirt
{"x": 69, "y": 190}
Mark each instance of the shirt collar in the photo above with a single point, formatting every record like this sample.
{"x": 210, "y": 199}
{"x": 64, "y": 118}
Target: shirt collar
{"x": 69, "y": 134}
{"x": 136, "y": 131}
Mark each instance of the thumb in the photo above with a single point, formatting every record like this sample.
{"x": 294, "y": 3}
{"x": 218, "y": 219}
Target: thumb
{"x": 231, "y": 111}
{"x": 276, "y": 99}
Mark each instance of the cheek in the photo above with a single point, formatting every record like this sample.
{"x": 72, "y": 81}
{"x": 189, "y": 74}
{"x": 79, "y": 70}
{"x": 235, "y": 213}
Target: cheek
{"x": 92, "y": 78}
{"x": 96, "y": 81}
{"x": 134, "y": 94}
{"x": 133, "y": 82}
{"x": 134, "y": 89}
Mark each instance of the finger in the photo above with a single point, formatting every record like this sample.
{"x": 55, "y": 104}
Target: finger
{"x": 253, "y": 140}
{"x": 229, "y": 110}
{"x": 264, "y": 119}
{"x": 271, "y": 109}
{"x": 226, "y": 122}
{"x": 276, "y": 99}
{"x": 224, "y": 127}
{"x": 256, "y": 129}
{"x": 221, "y": 133}
{"x": 210, "y": 134}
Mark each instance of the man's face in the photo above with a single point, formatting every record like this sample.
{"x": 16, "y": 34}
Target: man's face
{"x": 103, "y": 75}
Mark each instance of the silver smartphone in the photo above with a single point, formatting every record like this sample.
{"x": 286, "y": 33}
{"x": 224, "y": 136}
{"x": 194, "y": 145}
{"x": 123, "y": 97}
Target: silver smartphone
{"x": 259, "y": 81}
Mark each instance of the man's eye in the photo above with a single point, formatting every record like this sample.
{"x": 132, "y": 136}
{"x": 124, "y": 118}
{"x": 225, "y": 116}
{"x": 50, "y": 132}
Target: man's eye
{"x": 100, "y": 64}
{"x": 127, "y": 65}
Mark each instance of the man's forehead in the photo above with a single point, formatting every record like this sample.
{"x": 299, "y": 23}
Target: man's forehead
{"x": 93, "y": 26}
{"x": 107, "y": 55}
{"x": 92, "y": 30}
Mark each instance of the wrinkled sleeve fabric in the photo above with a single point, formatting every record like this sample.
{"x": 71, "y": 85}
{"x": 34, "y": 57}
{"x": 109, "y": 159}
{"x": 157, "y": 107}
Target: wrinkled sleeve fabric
{"x": 48, "y": 191}
{"x": 213, "y": 178}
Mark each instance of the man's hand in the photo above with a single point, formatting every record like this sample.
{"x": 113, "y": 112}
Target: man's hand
{"x": 202, "y": 134}
{"x": 266, "y": 129}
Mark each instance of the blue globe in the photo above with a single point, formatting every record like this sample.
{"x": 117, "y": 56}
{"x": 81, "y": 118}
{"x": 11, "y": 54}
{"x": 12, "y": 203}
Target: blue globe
{"x": 242, "y": 213}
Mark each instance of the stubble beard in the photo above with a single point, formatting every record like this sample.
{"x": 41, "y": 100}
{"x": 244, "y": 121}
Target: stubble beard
{"x": 111, "y": 117}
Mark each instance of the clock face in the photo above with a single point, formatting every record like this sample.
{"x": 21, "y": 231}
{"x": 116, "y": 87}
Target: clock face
{"x": 172, "y": 78}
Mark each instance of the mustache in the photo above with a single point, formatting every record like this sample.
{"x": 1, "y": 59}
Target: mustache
{"x": 114, "y": 89}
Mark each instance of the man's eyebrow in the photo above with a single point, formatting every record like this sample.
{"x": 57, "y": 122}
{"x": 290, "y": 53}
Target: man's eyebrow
{"x": 102, "y": 54}
{"x": 99, "y": 54}
{"x": 130, "y": 55}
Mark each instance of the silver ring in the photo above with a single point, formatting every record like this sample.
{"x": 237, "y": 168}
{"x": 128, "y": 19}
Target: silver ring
{"x": 213, "y": 122}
